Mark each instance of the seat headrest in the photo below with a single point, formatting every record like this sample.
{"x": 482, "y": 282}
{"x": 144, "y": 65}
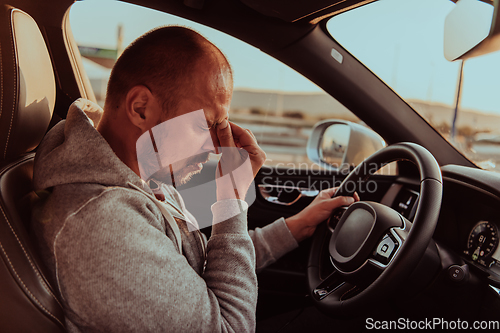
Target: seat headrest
{"x": 27, "y": 84}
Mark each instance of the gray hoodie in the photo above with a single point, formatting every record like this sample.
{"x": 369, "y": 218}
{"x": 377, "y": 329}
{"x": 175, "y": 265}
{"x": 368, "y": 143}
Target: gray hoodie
{"x": 114, "y": 256}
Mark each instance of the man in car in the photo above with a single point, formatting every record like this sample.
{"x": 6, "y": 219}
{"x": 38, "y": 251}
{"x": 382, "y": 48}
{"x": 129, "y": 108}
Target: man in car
{"x": 119, "y": 248}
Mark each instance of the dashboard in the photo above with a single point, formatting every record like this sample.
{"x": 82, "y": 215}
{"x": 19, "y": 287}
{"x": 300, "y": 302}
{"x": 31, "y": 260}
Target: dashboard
{"x": 469, "y": 222}
{"x": 470, "y": 219}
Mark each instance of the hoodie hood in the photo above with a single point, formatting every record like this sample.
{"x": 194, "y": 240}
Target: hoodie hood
{"x": 73, "y": 151}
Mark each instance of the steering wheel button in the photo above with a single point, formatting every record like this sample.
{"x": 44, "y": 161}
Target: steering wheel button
{"x": 321, "y": 292}
{"x": 456, "y": 273}
{"x": 386, "y": 247}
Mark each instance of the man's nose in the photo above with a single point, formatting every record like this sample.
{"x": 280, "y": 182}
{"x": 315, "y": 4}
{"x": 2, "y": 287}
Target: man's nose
{"x": 212, "y": 142}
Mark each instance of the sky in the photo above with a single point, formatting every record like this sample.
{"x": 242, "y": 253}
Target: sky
{"x": 399, "y": 40}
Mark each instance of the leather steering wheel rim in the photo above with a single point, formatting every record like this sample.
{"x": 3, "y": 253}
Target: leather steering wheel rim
{"x": 409, "y": 253}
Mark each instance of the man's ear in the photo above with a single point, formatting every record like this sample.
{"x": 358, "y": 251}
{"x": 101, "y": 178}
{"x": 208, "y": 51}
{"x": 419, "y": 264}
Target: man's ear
{"x": 141, "y": 107}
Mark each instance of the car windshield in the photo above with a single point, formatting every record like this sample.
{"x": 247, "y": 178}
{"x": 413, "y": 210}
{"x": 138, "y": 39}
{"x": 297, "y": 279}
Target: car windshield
{"x": 401, "y": 41}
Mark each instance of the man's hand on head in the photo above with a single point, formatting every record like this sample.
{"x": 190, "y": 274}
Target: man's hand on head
{"x": 232, "y": 135}
{"x": 241, "y": 159}
{"x": 304, "y": 223}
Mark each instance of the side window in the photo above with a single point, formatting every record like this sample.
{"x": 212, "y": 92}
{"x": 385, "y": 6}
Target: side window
{"x": 279, "y": 105}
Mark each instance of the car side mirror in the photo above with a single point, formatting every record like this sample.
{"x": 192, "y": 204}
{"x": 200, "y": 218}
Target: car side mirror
{"x": 340, "y": 145}
{"x": 471, "y": 29}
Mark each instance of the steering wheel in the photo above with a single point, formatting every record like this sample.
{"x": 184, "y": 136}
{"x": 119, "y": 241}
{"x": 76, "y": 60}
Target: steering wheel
{"x": 372, "y": 248}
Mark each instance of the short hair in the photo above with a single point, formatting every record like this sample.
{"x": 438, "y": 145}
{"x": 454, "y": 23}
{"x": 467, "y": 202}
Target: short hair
{"x": 164, "y": 60}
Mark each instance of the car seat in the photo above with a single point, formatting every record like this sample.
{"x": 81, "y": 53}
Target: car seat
{"x": 27, "y": 98}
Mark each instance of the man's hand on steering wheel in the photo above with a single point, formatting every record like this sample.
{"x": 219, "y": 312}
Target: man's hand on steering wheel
{"x": 303, "y": 224}
{"x": 373, "y": 250}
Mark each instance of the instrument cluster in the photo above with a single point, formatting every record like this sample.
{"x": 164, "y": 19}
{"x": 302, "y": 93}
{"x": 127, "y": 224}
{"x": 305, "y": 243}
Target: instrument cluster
{"x": 482, "y": 244}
